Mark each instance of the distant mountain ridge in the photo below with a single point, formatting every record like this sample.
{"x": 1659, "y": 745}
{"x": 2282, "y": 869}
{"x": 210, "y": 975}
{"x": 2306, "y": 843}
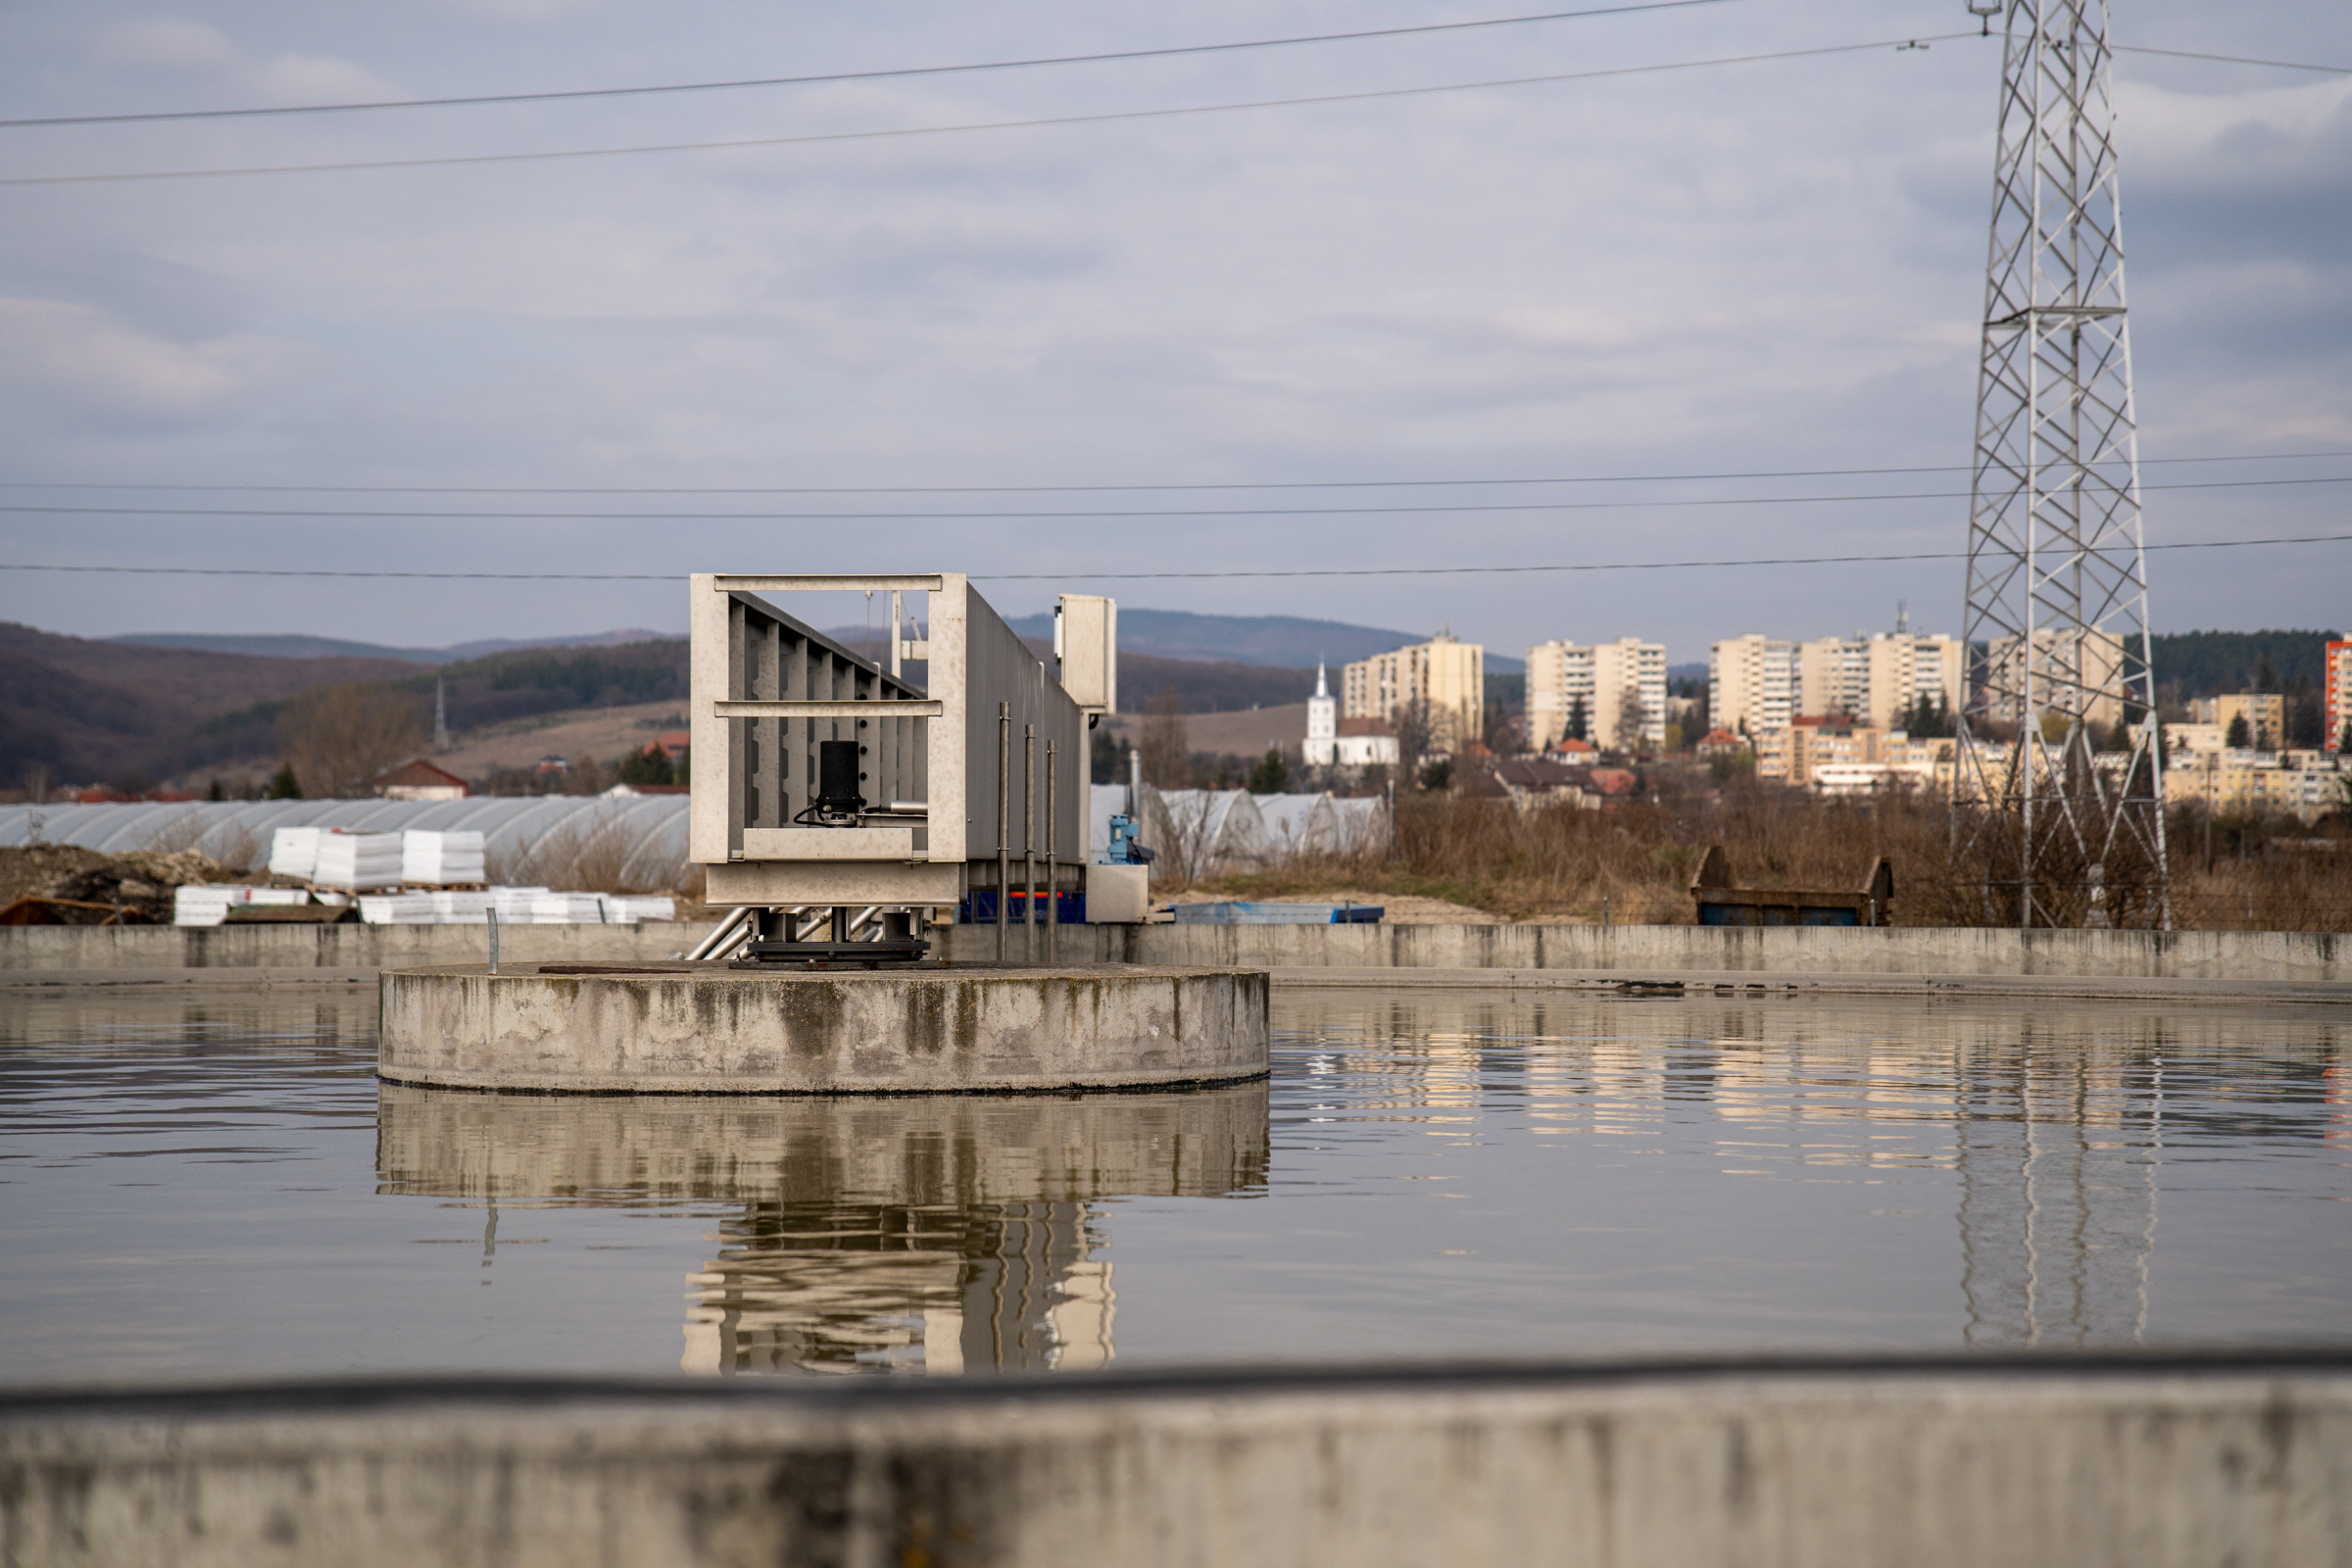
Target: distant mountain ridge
{"x": 1292, "y": 642}
{"x": 297, "y": 646}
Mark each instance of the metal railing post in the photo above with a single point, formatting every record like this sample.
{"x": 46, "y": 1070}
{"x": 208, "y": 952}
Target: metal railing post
{"x": 1004, "y": 821}
{"x": 1028, "y": 842}
{"x": 1053, "y": 867}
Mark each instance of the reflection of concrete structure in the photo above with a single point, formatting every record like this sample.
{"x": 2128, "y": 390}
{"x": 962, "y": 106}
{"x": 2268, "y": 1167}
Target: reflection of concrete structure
{"x": 938, "y": 1234}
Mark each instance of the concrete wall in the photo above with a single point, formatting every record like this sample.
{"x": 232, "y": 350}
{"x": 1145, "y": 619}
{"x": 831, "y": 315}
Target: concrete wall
{"x": 2145, "y": 1463}
{"x": 2240, "y": 956}
{"x": 55, "y": 949}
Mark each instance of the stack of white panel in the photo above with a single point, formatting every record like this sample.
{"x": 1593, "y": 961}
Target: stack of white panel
{"x": 621, "y": 908}
{"x": 459, "y": 908}
{"x": 209, "y": 905}
{"x": 294, "y": 852}
{"x": 539, "y": 907}
{"x": 357, "y": 859}
{"x": 442, "y": 857}
{"x": 398, "y": 908}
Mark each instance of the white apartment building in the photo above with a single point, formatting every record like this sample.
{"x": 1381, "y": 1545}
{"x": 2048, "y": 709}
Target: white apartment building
{"x": 1449, "y": 675}
{"x": 1878, "y": 679}
{"x": 1561, "y": 674}
{"x": 1751, "y": 684}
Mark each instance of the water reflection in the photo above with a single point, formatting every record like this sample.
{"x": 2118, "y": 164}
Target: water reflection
{"x": 942, "y": 1235}
{"x": 2054, "y": 1117}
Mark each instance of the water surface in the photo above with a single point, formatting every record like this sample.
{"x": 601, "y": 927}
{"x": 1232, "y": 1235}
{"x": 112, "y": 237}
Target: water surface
{"x": 201, "y": 1186}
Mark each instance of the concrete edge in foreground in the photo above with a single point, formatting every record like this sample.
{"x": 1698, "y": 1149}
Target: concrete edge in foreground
{"x": 2146, "y": 1461}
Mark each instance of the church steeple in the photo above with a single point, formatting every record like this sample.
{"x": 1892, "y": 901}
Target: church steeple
{"x": 1321, "y": 688}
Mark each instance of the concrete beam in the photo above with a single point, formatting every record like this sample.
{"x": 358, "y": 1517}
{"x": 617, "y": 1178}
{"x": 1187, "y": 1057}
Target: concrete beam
{"x": 2046, "y": 1462}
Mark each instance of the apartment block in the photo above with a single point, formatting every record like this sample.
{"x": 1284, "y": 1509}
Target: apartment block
{"x": 1837, "y": 757}
{"x": 1751, "y": 684}
{"x": 2062, "y": 668}
{"x": 2264, "y": 714}
{"x": 2335, "y": 695}
{"x": 1879, "y": 680}
{"x": 1614, "y": 681}
{"x": 2307, "y": 783}
{"x": 1447, "y": 674}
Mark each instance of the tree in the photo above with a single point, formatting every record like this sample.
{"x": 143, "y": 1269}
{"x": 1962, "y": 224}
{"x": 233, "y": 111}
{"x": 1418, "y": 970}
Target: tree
{"x": 1104, "y": 758}
{"x": 339, "y": 738}
{"x": 2238, "y": 737}
{"x": 1410, "y": 722}
{"x": 1438, "y": 774}
{"x": 284, "y": 786}
{"x": 1632, "y": 720}
{"x": 1272, "y": 775}
{"x": 1579, "y": 723}
{"x": 2343, "y": 742}
{"x": 1168, "y": 742}
{"x": 649, "y": 766}
{"x": 216, "y": 791}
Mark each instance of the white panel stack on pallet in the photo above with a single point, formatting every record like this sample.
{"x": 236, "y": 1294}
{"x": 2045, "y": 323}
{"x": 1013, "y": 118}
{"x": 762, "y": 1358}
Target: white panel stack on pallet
{"x": 398, "y": 908}
{"x": 539, "y": 907}
{"x": 622, "y": 908}
{"x": 358, "y": 861}
{"x": 294, "y": 852}
{"x": 209, "y": 903}
{"x": 442, "y": 857}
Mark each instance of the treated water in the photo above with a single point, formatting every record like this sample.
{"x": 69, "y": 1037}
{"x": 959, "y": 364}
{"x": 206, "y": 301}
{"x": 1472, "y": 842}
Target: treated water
{"x": 209, "y": 1187}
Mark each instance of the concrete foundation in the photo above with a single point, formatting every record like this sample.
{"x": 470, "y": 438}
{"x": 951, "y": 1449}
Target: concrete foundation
{"x": 2146, "y": 1461}
{"x": 684, "y": 1028}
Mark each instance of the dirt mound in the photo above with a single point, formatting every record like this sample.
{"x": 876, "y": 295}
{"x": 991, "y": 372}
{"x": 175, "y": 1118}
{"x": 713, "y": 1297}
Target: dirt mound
{"x": 140, "y": 883}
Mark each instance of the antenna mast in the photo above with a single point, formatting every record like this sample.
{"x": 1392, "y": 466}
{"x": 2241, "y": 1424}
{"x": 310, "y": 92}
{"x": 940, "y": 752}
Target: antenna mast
{"x": 2058, "y": 789}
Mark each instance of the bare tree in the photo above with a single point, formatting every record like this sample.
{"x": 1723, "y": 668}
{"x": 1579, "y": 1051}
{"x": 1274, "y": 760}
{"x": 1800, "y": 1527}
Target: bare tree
{"x": 1632, "y": 718}
{"x": 1168, "y": 742}
{"x": 1410, "y": 721}
{"x": 339, "y": 738}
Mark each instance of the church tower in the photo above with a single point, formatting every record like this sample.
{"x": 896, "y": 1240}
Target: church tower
{"x": 1322, "y": 722}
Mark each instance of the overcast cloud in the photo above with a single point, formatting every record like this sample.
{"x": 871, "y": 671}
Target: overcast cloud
{"x": 1770, "y": 266}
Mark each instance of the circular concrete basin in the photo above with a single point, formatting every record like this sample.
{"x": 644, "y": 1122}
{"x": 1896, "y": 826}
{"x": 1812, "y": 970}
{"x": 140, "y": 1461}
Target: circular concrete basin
{"x": 709, "y": 1028}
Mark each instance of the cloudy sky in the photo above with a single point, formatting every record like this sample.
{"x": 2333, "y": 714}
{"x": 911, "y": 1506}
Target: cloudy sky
{"x": 1750, "y": 268}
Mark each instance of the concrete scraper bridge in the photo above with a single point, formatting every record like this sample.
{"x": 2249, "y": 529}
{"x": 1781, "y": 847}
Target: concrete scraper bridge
{"x": 845, "y": 810}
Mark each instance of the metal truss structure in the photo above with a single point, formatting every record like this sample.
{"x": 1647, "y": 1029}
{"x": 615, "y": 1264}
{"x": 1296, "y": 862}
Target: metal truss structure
{"x": 2058, "y": 792}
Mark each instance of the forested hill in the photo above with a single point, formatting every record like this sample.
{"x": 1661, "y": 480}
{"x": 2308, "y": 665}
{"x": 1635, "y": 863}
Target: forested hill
{"x": 2203, "y": 664}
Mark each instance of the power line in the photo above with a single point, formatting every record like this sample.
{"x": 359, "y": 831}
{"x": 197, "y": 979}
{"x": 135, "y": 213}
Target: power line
{"x": 943, "y": 131}
{"x": 849, "y": 75}
{"x": 1065, "y": 489}
{"x": 1128, "y": 577}
{"x": 1032, "y": 515}
{"x": 2230, "y": 60}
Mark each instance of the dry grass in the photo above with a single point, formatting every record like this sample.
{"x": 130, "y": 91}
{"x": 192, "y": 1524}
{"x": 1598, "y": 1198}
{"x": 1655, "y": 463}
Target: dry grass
{"x": 1561, "y": 863}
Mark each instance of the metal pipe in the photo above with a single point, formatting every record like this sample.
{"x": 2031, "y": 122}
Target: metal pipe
{"x": 1053, "y": 866}
{"x": 1028, "y": 842}
{"x": 1004, "y": 821}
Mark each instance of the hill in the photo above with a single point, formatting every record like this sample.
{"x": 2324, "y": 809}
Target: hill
{"x": 2206, "y": 664}
{"x": 1285, "y": 640}
{"x": 294, "y": 646}
{"x": 85, "y": 709}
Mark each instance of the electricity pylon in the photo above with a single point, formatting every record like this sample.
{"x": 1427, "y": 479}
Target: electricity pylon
{"x": 2058, "y": 792}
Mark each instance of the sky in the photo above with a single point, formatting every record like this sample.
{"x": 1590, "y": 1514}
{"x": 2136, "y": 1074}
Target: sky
{"x": 1742, "y": 269}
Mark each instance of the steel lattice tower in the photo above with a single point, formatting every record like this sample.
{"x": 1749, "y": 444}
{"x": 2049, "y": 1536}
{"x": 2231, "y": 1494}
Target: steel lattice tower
{"x": 2067, "y": 818}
